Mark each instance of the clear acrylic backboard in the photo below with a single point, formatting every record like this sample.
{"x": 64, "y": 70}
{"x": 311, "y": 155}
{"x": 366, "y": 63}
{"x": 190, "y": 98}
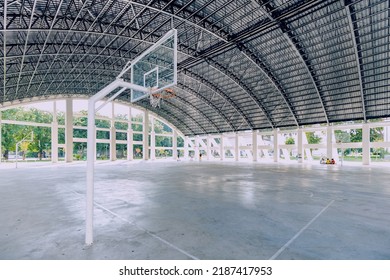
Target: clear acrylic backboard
{"x": 156, "y": 68}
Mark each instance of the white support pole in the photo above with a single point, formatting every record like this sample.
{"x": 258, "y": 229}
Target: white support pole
{"x": 366, "y": 144}
{"x": 91, "y": 147}
{"x": 130, "y": 155}
{"x": 152, "y": 140}
{"x": 112, "y": 143}
{"x": 54, "y": 135}
{"x": 276, "y": 145}
{"x": 197, "y": 153}
{"x": 221, "y": 148}
{"x": 186, "y": 144}
{"x": 174, "y": 145}
{"x": 300, "y": 145}
{"x": 254, "y": 145}
{"x": 329, "y": 144}
{"x": 208, "y": 147}
{"x": 146, "y": 136}
{"x": 112, "y": 134}
{"x": 69, "y": 130}
{"x": 236, "y": 147}
{"x": 95, "y": 158}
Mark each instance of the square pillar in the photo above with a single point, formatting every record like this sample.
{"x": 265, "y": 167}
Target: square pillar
{"x": 69, "y": 130}
{"x": 366, "y": 144}
{"x": 208, "y": 147}
{"x": 130, "y": 148}
{"x": 112, "y": 134}
{"x": 276, "y": 145}
{"x": 174, "y": 145}
{"x": 146, "y": 136}
{"x": 221, "y": 148}
{"x": 236, "y": 147}
{"x": 197, "y": 153}
{"x": 152, "y": 140}
{"x": 186, "y": 144}
{"x": 112, "y": 143}
{"x": 130, "y": 155}
{"x": 329, "y": 144}
{"x": 95, "y": 150}
{"x": 54, "y": 142}
{"x": 254, "y": 145}
{"x": 54, "y": 135}
{"x": 153, "y": 145}
{"x": 300, "y": 146}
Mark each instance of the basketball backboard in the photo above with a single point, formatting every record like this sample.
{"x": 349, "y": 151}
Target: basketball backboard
{"x": 156, "y": 68}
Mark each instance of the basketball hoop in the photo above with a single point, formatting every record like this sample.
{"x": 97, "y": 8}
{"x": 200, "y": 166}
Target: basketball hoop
{"x": 155, "y": 98}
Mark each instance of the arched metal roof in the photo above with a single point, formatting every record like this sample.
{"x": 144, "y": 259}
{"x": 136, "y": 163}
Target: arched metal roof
{"x": 243, "y": 64}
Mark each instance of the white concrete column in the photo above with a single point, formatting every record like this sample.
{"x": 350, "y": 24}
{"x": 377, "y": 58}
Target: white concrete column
{"x": 329, "y": 144}
{"x": 130, "y": 155}
{"x": 95, "y": 149}
{"x": 69, "y": 130}
{"x": 366, "y": 144}
{"x": 236, "y": 147}
{"x": 186, "y": 144}
{"x": 112, "y": 134}
{"x": 174, "y": 145}
{"x": 208, "y": 147}
{"x": 112, "y": 143}
{"x": 221, "y": 148}
{"x": 254, "y": 145}
{"x": 130, "y": 148}
{"x": 276, "y": 145}
{"x": 300, "y": 145}
{"x": 197, "y": 148}
{"x": 54, "y": 135}
{"x": 152, "y": 140}
{"x": 153, "y": 145}
{"x": 146, "y": 136}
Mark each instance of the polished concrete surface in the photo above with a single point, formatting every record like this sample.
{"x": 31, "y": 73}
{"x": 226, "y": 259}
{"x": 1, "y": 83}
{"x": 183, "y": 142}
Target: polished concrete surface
{"x": 196, "y": 210}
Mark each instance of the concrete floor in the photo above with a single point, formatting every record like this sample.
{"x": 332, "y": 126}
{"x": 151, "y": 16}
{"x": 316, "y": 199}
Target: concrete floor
{"x": 197, "y": 210}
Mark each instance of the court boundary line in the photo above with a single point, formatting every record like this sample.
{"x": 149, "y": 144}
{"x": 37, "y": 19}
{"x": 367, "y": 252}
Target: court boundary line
{"x": 142, "y": 229}
{"x": 147, "y": 231}
{"x": 284, "y": 247}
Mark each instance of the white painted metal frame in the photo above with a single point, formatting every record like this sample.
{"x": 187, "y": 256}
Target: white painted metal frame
{"x": 91, "y": 147}
{"x": 91, "y": 134}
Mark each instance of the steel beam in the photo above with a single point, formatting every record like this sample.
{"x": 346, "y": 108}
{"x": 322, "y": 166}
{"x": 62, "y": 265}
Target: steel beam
{"x": 209, "y": 103}
{"x": 358, "y": 54}
{"x": 215, "y": 89}
{"x": 273, "y": 15}
{"x": 243, "y": 87}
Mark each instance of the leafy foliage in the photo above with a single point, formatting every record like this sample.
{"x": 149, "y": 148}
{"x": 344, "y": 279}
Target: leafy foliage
{"x": 13, "y": 133}
{"x": 41, "y": 144}
{"x": 290, "y": 141}
{"x": 312, "y": 138}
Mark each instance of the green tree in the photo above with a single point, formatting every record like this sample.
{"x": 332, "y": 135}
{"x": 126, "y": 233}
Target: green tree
{"x": 312, "y": 138}
{"x": 290, "y": 141}
{"x": 8, "y": 141}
